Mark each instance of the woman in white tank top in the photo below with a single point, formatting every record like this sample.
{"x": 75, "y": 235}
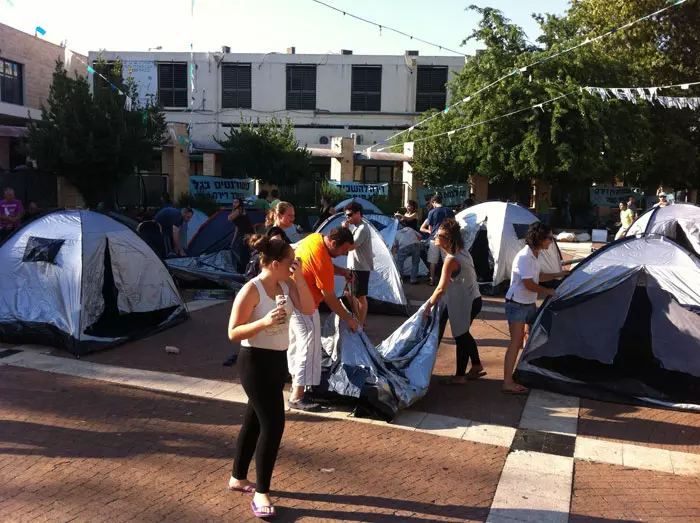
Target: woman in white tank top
{"x": 260, "y": 321}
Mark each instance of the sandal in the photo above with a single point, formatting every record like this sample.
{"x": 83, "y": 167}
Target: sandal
{"x": 257, "y": 510}
{"x": 248, "y": 489}
{"x": 475, "y": 375}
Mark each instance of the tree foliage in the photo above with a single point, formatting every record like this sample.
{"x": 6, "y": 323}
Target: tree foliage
{"x": 577, "y": 138}
{"x": 91, "y": 138}
{"x": 265, "y": 151}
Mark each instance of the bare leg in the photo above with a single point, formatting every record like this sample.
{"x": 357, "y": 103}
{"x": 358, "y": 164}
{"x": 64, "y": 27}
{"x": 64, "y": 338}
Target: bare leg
{"x": 517, "y": 333}
{"x": 297, "y": 393}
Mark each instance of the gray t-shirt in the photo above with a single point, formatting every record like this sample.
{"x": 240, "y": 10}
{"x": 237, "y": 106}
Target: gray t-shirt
{"x": 360, "y": 259}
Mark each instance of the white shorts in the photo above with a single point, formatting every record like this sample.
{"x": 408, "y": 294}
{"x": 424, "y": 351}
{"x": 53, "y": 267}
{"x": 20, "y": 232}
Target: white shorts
{"x": 435, "y": 253}
{"x": 304, "y": 354}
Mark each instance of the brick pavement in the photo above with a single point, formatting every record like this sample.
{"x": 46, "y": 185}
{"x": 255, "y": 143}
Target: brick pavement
{"x": 614, "y": 493}
{"x": 81, "y": 450}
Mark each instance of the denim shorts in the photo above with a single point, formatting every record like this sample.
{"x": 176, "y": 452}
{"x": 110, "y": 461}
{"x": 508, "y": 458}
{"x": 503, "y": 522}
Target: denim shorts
{"x": 519, "y": 312}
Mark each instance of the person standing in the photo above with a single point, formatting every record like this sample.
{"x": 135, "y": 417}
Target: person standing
{"x": 663, "y": 201}
{"x": 261, "y": 201}
{"x": 360, "y": 259}
{"x": 626, "y": 219}
{"x": 282, "y": 216}
{"x": 436, "y": 216}
{"x": 170, "y": 220}
{"x": 461, "y": 290}
{"x": 274, "y": 198}
{"x": 243, "y": 226}
{"x": 407, "y": 244}
{"x": 542, "y": 208}
{"x": 11, "y": 213}
{"x": 632, "y": 206}
{"x": 327, "y": 210}
{"x": 316, "y": 253}
{"x": 260, "y": 321}
{"x": 521, "y": 298}
{"x": 410, "y": 219}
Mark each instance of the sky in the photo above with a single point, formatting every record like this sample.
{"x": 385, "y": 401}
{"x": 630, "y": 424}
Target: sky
{"x": 262, "y": 26}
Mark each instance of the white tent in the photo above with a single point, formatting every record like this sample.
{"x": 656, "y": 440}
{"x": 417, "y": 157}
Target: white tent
{"x": 385, "y": 286}
{"x": 495, "y": 232}
{"x": 680, "y": 222}
{"x": 367, "y": 206}
{"x": 82, "y": 281}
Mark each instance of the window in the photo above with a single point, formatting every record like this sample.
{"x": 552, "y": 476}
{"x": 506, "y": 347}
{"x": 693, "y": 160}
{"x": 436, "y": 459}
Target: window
{"x": 11, "y": 88}
{"x": 386, "y": 173}
{"x": 41, "y": 249}
{"x": 301, "y": 87}
{"x": 236, "y": 86}
{"x": 105, "y": 69}
{"x": 431, "y": 88}
{"x": 366, "y": 88}
{"x": 172, "y": 85}
{"x": 370, "y": 174}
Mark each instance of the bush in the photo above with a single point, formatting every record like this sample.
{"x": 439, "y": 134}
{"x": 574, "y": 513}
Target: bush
{"x": 333, "y": 193}
{"x": 206, "y": 204}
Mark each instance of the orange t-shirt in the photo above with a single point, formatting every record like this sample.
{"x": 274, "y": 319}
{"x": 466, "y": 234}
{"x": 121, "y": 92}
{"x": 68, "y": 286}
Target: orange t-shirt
{"x": 316, "y": 265}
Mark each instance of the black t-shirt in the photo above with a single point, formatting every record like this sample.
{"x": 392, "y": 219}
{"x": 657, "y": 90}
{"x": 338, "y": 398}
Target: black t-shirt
{"x": 243, "y": 224}
{"x": 412, "y": 223}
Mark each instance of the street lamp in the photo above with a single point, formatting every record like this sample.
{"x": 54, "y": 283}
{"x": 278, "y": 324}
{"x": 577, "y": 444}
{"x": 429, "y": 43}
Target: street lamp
{"x": 155, "y": 48}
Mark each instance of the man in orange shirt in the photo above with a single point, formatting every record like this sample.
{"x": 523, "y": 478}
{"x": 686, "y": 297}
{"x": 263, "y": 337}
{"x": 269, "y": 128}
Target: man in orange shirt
{"x": 316, "y": 252}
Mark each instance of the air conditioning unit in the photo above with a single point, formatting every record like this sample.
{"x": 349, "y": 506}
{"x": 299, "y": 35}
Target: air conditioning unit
{"x": 324, "y": 140}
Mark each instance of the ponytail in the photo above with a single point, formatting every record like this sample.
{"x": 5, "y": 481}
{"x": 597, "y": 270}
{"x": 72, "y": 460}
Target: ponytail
{"x": 270, "y": 249}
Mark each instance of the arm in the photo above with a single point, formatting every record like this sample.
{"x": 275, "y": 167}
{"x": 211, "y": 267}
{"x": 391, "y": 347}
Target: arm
{"x": 424, "y": 228}
{"x": 299, "y": 291}
{"x": 447, "y": 270}
{"x": 546, "y": 277}
{"x": 533, "y": 287}
{"x": 238, "y": 326}
{"x": 176, "y": 239}
{"x": 337, "y": 307}
{"x": 339, "y": 271}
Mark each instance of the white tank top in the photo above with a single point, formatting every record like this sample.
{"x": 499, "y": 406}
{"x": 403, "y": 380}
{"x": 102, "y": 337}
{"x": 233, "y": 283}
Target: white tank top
{"x": 277, "y": 336}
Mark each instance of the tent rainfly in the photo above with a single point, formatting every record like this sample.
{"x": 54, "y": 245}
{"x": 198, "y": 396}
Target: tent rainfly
{"x": 385, "y": 287}
{"x": 367, "y": 206}
{"x": 680, "y": 222}
{"x": 494, "y": 232}
{"x": 624, "y": 327}
{"x": 81, "y": 281}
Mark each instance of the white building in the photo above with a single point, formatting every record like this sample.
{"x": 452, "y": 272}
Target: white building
{"x": 332, "y": 95}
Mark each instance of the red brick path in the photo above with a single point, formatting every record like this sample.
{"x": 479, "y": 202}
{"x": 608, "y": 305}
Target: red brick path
{"x": 80, "y": 450}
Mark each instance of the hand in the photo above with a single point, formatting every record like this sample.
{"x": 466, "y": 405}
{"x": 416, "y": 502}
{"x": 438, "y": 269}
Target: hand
{"x": 181, "y": 252}
{"x": 353, "y": 324}
{"x": 550, "y": 292}
{"x": 296, "y": 270}
{"x": 563, "y": 274}
{"x": 346, "y": 224}
{"x": 276, "y": 316}
{"x": 349, "y": 276}
{"x": 427, "y": 311}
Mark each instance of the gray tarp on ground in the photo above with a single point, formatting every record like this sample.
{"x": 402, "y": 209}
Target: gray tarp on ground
{"x": 589, "y": 314}
{"x": 667, "y": 221}
{"x": 217, "y": 267}
{"x": 386, "y": 378}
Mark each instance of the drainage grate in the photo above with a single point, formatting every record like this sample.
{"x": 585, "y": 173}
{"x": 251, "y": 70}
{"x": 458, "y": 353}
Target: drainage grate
{"x": 546, "y": 442}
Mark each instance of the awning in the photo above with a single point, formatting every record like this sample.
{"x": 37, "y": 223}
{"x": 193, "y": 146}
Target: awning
{"x": 12, "y": 131}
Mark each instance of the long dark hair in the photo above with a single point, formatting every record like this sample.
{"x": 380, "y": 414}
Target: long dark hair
{"x": 454, "y": 235}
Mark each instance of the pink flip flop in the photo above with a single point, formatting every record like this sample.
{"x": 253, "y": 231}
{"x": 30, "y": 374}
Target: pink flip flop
{"x": 249, "y": 489}
{"x": 259, "y": 514}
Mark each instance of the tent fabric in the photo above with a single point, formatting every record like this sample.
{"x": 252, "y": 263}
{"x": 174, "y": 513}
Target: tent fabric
{"x": 191, "y": 227}
{"x": 386, "y": 293}
{"x": 680, "y": 222}
{"x": 379, "y": 380}
{"x": 103, "y": 286}
{"x": 625, "y": 326}
{"x": 503, "y": 223}
{"x": 367, "y": 206}
{"x": 217, "y": 268}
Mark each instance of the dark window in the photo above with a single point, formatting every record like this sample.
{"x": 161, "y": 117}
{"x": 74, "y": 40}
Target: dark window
{"x": 385, "y": 173}
{"x": 172, "y": 85}
{"x": 431, "y": 88}
{"x": 42, "y": 249}
{"x": 301, "y": 87}
{"x": 11, "y": 88}
{"x": 366, "y": 88}
{"x": 236, "y": 86}
{"x": 370, "y": 174}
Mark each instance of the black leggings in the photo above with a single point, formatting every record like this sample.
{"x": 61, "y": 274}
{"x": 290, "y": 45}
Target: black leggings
{"x": 263, "y": 373}
{"x": 465, "y": 343}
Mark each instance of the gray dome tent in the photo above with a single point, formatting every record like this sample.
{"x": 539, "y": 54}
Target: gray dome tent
{"x": 367, "y": 206}
{"x": 385, "y": 287}
{"x": 624, "y": 326}
{"x": 680, "y": 222}
{"x": 82, "y": 281}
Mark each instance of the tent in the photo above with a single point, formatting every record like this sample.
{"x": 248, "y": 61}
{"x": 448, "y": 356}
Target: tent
{"x": 217, "y": 268}
{"x": 380, "y": 380}
{"x": 680, "y": 222}
{"x": 494, "y": 232}
{"x": 82, "y": 281}
{"x": 385, "y": 288}
{"x": 624, "y": 326}
{"x": 190, "y": 228}
{"x": 367, "y": 206}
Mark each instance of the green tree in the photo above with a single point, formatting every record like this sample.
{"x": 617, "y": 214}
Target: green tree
{"x": 91, "y": 138}
{"x": 265, "y": 151}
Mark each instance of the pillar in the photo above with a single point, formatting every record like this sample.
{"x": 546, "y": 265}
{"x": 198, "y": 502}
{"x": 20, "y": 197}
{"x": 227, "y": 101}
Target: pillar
{"x": 4, "y": 153}
{"x": 176, "y": 163}
{"x": 209, "y": 164}
{"x": 410, "y": 185}
{"x": 343, "y": 167}
{"x": 480, "y": 187}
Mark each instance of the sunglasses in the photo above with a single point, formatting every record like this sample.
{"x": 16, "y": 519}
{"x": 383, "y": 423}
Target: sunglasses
{"x": 349, "y": 214}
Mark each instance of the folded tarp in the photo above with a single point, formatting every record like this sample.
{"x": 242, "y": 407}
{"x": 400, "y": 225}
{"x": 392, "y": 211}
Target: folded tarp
{"x": 217, "y": 268}
{"x": 384, "y": 379}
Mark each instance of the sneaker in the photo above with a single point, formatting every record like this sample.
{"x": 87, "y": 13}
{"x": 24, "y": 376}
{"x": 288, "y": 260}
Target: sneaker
{"x": 304, "y": 405}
